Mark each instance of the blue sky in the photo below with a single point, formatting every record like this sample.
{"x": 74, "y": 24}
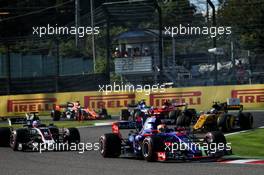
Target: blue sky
{"x": 201, "y": 4}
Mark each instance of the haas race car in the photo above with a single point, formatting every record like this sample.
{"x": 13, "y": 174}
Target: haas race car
{"x": 156, "y": 142}
{"x": 34, "y": 133}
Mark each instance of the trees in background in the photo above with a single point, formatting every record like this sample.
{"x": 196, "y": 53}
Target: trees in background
{"x": 246, "y": 20}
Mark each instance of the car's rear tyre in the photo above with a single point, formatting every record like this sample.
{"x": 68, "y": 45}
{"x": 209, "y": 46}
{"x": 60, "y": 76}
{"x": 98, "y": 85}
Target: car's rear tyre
{"x": 104, "y": 114}
{"x": 74, "y": 136}
{"x": 173, "y": 115}
{"x": 246, "y": 120}
{"x": 192, "y": 111}
{"x": 56, "y": 115}
{"x": 54, "y": 132}
{"x": 150, "y": 147}
{"x": 19, "y": 136}
{"x": 183, "y": 121}
{"x": 222, "y": 123}
{"x": 214, "y": 139}
{"x": 4, "y": 136}
{"x": 110, "y": 145}
{"x": 125, "y": 114}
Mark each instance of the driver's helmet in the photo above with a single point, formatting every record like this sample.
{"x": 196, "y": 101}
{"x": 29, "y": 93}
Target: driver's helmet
{"x": 167, "y": 103}
{"x": 142, "y": 102}
{"x": 213, "y": 110}
{"x": 152, "y": 123}
{"x": 151, "y": 111}
{"x": 161, "y": 128}
{"x": 35, "y": 124}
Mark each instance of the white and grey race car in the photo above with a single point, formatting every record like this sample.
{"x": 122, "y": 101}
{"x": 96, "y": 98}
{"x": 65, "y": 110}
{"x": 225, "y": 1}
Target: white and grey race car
{"x": 29, "y": 137}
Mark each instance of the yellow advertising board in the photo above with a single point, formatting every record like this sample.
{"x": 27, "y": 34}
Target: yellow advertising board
{"x": 200, "y": 98}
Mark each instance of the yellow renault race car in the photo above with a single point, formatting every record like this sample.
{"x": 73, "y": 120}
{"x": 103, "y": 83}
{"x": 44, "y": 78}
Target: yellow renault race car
{"x": 220, "y": 118}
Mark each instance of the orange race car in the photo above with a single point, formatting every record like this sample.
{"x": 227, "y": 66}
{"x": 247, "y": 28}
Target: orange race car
{"x": 74, "y": 111}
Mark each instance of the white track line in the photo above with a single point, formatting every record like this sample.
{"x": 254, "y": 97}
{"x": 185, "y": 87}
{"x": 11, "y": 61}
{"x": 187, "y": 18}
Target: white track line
{"x": 233, "y": 133}
{"x": 103, "y": 124}
{"x": 245, "y": 161}
{"x": 240, "y": 161}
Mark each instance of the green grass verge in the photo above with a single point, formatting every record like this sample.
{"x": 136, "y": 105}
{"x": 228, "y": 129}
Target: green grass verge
{"x": 60, "y": 124}
{"x": 248, "y": 144}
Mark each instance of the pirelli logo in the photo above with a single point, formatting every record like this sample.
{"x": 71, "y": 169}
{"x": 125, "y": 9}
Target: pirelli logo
{"x": 31, "y": 105}
{"x": 191, "y": 97}
{"x": 249, "y": 95}
{"x": 109, "y": 101}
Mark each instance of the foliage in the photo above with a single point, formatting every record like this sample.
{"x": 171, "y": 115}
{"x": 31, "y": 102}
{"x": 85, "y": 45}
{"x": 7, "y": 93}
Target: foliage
{"x": 246, "y": 19}
{"x": 178, "y": 12}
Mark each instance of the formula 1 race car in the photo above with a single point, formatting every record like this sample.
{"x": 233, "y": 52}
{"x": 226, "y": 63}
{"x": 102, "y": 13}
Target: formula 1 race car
{"x": 176, "y": 113}
{"x": 220, "y": 118}
{"x": 33, "y": 133}
{"x": 156, "y": 142}
{"x": 134, "y": 111}
{"x": 73, "y": 111}
{"x": 90, "y": 114}
{"x": 70, "y": 110}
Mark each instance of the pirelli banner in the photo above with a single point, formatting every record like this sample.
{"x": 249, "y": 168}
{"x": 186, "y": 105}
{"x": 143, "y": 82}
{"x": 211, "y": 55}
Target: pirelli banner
{"x": 200, "y": 98}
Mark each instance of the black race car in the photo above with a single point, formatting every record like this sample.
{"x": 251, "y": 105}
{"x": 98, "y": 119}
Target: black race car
{"x": 34, "y": 134}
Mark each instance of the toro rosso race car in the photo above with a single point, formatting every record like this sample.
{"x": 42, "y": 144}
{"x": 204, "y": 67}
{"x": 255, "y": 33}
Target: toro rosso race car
{"x": 33, "y": 134}
{"x": 156, "y": 142}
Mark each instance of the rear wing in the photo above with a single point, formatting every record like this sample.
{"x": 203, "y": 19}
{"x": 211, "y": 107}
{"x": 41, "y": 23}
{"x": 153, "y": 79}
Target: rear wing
{"x": 22, "y": 119}
{"x": 180, "y": 104}
{"x": 17, "y": 120}
{"x": 234, "y": 107}
{"x": 125, "y": 124}
{"x": 233, "y": 104}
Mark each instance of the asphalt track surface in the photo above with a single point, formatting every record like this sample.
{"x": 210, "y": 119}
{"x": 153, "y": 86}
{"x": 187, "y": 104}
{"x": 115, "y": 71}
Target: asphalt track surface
{"x": 91, "y": 162}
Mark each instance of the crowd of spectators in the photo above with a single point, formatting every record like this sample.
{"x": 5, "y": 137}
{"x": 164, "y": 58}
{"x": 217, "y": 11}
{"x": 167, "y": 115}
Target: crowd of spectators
{"x": 134, "y": 52}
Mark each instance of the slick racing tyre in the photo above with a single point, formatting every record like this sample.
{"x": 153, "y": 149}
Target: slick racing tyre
{"x": 214, "y": 141}
{"x": 56, "y": 115}
{"x": 19, "y": 136}
{"x": 4, "y": 136}
{"x": 73, "y": 135}
{"x": 110, "y": 145}
{"x": 223, "y": 123}
{"x": 125, "y": 114}
{"x": 55, "y": 133}
{"x": 104, "y": 114}
{"x": 173, "y": 115}
{"x": 245, "y": 120}
{"x": 191, "y": 111}
{"x": 150, "y": 147}
{"x": 183, "y": 121}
